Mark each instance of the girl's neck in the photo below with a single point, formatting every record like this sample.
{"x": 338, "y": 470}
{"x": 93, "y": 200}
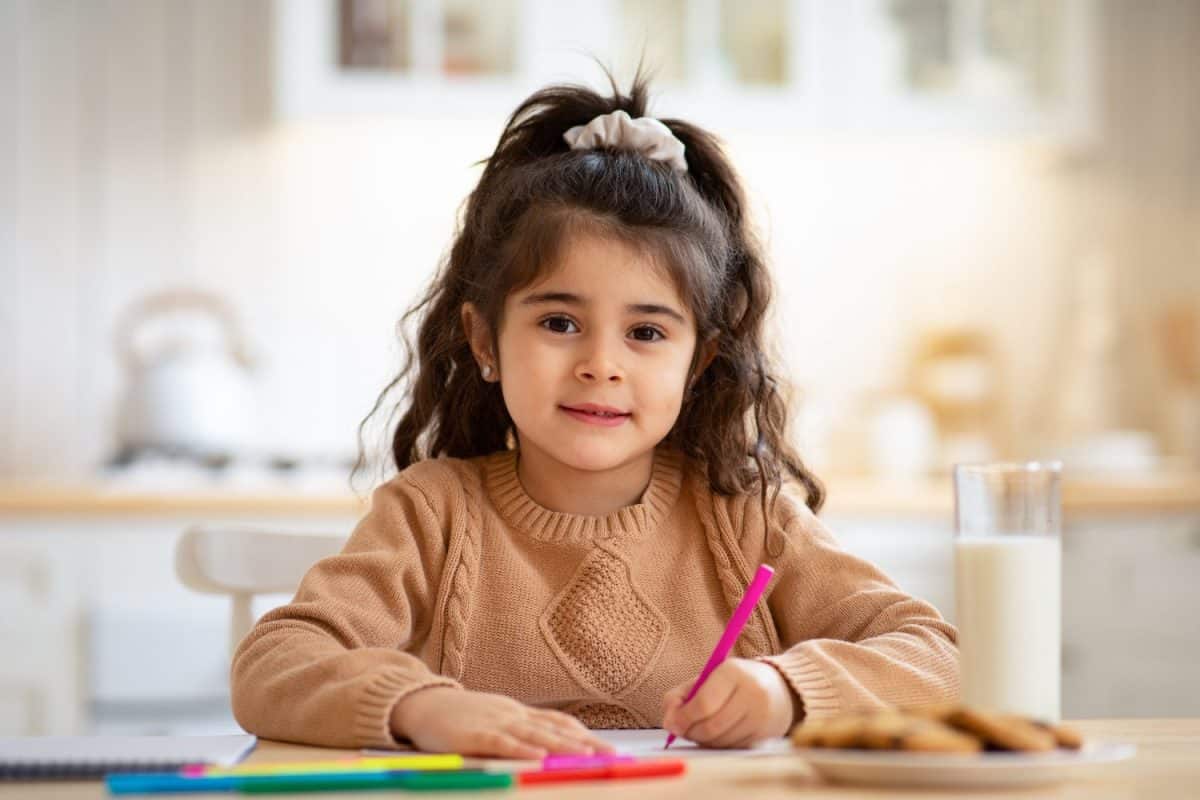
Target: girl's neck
{"x": 559, "y": 487}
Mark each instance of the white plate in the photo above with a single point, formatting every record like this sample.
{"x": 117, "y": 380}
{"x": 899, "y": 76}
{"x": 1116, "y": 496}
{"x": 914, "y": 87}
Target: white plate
{"x": 977, "y": 770}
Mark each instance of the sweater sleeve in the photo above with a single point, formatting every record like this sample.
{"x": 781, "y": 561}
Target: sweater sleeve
{"x": 327, "y": 668}
{"x": 853, "y": 640}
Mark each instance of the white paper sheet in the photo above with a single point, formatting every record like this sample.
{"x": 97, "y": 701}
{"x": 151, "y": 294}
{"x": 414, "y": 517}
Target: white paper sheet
{"x": 650, "y": 743}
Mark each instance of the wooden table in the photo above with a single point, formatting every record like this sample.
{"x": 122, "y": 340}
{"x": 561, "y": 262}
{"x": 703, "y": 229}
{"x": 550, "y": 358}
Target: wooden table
{"x": 1167, "y": 766}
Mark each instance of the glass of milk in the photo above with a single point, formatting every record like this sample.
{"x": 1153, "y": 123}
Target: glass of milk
{"x": 1008, "y": 586}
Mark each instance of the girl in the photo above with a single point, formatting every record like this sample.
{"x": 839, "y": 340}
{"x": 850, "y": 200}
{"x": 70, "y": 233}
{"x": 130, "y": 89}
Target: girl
{"x": 585, "y": 455}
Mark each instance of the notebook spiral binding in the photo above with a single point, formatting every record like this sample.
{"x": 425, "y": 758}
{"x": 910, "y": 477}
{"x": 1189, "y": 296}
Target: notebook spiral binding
{"x": 74, "y": 770}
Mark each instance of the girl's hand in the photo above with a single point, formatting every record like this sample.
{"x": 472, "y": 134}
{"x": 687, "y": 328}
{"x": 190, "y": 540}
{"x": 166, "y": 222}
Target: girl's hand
{"x": 445, "y": 720}
{"x": 741, "y": 703}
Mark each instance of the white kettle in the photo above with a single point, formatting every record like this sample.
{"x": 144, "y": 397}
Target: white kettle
{"x": 189, "y": 385}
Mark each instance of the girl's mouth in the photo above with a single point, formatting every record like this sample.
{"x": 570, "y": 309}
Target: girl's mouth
{"x": 597, "y": 415}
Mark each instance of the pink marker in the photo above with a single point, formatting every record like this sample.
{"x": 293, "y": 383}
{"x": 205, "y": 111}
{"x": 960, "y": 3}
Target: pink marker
{"x": 732, "y": 631}
{"x": 584, "y": 762}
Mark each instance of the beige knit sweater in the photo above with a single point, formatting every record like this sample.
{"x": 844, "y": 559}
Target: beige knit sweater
{"x": 456, "y": 577}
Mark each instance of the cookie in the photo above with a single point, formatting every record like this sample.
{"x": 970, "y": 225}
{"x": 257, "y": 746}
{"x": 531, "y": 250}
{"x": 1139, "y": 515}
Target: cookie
{"x": 934, "y": 737}
{"x": 1064, "y": 735}
{"x": 843, "y": 732}
{"x": 885, "y": 730}
{"x": 938, "y": 713}
{"x": 807, "y": 734}
{"x": 935, "y": 729}
{"x": 1001, "y": 732}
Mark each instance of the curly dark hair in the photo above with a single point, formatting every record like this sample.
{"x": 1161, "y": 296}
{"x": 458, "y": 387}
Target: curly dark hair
{"x": 534, "y": 193}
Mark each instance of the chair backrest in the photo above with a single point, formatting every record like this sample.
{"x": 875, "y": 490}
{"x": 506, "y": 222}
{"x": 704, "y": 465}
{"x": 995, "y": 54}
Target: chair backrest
{"x": 244, "y": 562}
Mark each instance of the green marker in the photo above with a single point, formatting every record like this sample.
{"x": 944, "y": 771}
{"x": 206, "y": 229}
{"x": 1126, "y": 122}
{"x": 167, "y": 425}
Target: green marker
{"x": 405, "y": 781}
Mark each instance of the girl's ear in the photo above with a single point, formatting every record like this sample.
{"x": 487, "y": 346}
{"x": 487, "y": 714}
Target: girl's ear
{"x": 479, "y": 337}
{"x": 708, "y": 351}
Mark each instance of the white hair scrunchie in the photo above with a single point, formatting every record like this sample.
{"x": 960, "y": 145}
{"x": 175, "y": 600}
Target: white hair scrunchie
{"x": 644, "y": 135}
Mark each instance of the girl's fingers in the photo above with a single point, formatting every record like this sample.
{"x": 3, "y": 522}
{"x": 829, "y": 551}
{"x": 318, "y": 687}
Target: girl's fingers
{"x": 707, "y": 703}
{"x": 570, "y": 726}
{"x": 499, "y": 744}
{"x": 599, "y": 745}
{"x": 713, "y": 725}
{"x": 711, "y": 730}
{"x": 539, "y": 734}
{"x": 672, "y": 700}
{"x": 739, "y": 734}
{"x": 564, "y": 722}
{"x": 674, "y": 697}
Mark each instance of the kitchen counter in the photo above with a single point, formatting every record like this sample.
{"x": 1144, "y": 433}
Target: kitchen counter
{"x": 1168, "y": 492}
{"x": 847, "y": 496}
{"x": 82, "y": 499}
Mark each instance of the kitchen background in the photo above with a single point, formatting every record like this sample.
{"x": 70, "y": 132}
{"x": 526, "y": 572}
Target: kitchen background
{"x": 982, "y": 214}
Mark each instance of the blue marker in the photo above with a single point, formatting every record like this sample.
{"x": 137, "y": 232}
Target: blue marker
{"x": 168, "y": 783}
{"x": 175, "y": 783}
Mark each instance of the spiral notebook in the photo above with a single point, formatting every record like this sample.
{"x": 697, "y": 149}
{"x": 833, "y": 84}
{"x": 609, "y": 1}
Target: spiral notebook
{"x": 80, "y": 757}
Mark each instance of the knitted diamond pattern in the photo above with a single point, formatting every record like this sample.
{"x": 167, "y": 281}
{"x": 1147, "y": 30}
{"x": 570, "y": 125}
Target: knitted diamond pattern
{"x": 606, "y": 715}
{"x": 603, "y": 631}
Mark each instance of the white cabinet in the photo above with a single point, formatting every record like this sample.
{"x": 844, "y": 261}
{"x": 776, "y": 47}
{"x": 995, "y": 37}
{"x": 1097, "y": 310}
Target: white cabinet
{"x": 918, "y": 554}
{"x": 866, "y": 66}
{"x": 1131, "y": 636}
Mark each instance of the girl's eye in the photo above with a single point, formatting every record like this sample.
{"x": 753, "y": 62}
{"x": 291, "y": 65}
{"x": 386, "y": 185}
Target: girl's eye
{"x": 645, "y": 333}
{"x": 559, "y": 325}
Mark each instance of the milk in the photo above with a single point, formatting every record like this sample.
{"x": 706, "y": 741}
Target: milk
{"x": 1008, "y": 591}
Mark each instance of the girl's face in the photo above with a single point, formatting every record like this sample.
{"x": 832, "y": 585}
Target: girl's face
{"x": 594, "y": 357}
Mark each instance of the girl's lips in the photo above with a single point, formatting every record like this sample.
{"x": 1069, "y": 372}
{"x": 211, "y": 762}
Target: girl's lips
{"x": 593, "y": 418}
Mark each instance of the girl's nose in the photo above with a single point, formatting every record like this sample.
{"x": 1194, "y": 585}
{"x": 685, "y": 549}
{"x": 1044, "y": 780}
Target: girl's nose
{"x": 598, "y": 366}
{"x": 591, "y": 373}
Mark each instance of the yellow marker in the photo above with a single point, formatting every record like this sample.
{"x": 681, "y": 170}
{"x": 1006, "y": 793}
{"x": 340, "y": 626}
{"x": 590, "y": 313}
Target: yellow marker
{"x": 417, "y": 761}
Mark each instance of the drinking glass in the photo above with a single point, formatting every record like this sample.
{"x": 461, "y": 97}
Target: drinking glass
{"x": 1008, "y": 586}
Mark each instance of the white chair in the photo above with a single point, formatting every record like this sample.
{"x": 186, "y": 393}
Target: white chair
{"x": 244, "y": 562}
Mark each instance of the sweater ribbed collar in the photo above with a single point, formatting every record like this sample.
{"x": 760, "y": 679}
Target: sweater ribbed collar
{"x": 523, "y": 513}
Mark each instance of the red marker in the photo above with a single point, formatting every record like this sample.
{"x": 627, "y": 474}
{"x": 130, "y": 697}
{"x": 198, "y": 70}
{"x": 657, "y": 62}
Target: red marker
{"x": 638, "y": 769}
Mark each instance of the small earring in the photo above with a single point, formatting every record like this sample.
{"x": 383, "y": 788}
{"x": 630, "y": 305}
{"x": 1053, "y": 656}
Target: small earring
{"x": 487, "y": 371}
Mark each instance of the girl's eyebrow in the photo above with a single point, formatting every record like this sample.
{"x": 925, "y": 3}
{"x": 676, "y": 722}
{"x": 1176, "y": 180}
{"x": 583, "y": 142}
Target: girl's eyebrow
{"x": 567, "y": 298}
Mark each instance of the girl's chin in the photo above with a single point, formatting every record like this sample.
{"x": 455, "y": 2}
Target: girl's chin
{"x": 594, "y": 456}
{"x": 590, "y": 450}
{"x": 595, "y": 459}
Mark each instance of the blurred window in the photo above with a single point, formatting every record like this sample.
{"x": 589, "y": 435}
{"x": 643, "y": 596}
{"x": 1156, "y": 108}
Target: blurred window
{"x": 456, "y": 37}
